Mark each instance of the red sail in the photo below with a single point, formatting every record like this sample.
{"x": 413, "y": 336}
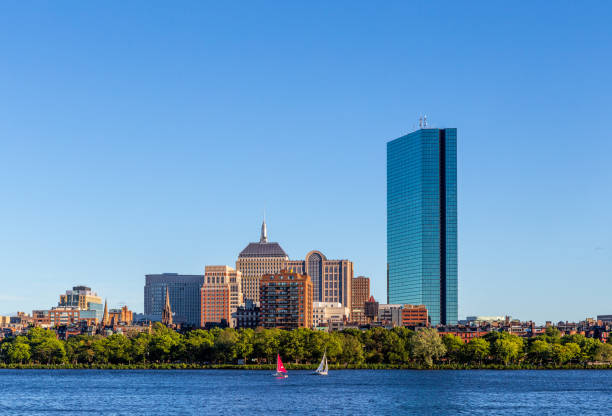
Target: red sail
{"x": 280, "y": 368}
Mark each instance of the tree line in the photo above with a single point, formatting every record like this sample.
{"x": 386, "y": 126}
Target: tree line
{"x": 397, "y": 346}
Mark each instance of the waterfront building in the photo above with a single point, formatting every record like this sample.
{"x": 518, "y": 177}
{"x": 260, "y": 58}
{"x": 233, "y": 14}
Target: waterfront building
{"x": 247, "y": 316}
{"x": 67, "y": 315}
{"x": 360, "y": 293}
{"x": 414, "y": 315}
{"x": 605, "y": 318}
{"x": 258, "y": 259}
{"x": 82, "y": 298}
{"x": 227, "y": 275}
{"x": 422, "y": 222}
{"x": 285, "y": 300}
{"x": 329, "y": 313}
{"x": 184, "y": 294}
{"x": 215, "y": 295}
{"x": 331, "y": 279}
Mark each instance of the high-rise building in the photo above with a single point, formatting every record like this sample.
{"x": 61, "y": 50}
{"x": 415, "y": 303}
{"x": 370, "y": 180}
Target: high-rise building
{"x": 258, "y": 259}
{"x": 227, "y": 275}
{"x": 360, "y": 293}
{"x": 286, "y": 300}
{"x": 422, "y": 222}
{"x": 370, "y": 309}
{"x": 331, "y": 279}
{"x": 184, "y": 294}
{"x": 215, "y": 302}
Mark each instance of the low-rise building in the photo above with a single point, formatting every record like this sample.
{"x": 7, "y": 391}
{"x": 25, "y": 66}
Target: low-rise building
{"x": 329, "y": 313}
{"x": 414, "y": 316}
{"x": 247, "y": 316}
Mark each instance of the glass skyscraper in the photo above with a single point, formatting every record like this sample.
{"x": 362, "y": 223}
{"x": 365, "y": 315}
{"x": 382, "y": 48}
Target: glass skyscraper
{"x": 422, "y": 222}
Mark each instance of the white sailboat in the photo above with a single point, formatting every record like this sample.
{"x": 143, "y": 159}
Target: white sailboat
{"x": 322, "y": 369}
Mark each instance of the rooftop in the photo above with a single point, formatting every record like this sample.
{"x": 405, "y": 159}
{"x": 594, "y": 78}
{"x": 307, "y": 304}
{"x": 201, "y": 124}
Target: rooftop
{"x": 263, "y": 250}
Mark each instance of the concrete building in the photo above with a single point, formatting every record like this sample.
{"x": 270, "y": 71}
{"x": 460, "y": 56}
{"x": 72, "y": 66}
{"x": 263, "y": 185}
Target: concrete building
{"x": 422, "y": 222}
{"x": 67, "y": 315}
{"x": 331, "y": 279}
{"x": 605, "y": 318}
{"x": 286, "y": 300}
{"x": 258, "y": 259}
{"x": 247, "y": 316}
{"x": 227, "y": 275}
{"x": 184, "y": 293}
{"x": 390, "y": 314}
{"x": 215, "y": 301}
{"x": 329, "y": 313}
{"x": 371, "y": 309}
{"x": 360, "y": 293}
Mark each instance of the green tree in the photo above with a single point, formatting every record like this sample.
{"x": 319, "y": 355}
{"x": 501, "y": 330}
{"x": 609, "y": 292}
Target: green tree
{"x": 477, "y": 350}
{"x": 17, "y": 351}
{"x": 506, "y": 350}
{"x": 49, "y": 351}
{"x": 539, "y": 351}
{"x": 244, "y": 344}
{"x": 454, "y": 346}
{"x": 225, "y": 346}
{"x": 139, "y": 350}
{"x": 352, "y": 349}
{"x": 427, "y": 346}
{"x": 603, "y": 352}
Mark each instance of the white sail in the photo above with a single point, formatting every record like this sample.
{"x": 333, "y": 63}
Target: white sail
{"x": 322, "y": 369}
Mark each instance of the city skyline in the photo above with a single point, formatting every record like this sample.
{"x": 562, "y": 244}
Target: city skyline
{"x": 128, "y": 150}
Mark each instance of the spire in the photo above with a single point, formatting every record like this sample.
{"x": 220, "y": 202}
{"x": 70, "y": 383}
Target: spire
{"x": 167, "y": 312}
{"x": 264, "y": 231}
{"x": 105, "y": 316}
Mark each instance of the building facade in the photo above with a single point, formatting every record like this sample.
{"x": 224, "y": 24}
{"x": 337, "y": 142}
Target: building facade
{"x": 258, "y": 259}
{"x": 247, "y": 316}
{"x": 82, "y": 298}
{"x": 414, "y": 315}
{"x": 227, "y": 275}
{"x": 184, "y": 294}
{"x": 331, "y": 279}
{"x": 326, "y": 314}
{"x": 120, "y": 316}
{"x": 360, "y": 293}
{"x": 285, "y": 300}
{"x": 215, "y": 303}
{"x": 422, "y": 222}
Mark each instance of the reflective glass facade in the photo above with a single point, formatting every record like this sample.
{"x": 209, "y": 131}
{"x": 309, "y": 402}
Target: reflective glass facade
{"x": 422, "y": 222}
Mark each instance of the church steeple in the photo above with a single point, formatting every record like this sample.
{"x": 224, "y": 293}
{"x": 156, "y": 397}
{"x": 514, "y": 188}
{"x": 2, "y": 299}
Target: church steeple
{"x": 105, "y": 320}
{"x": 264, "y": 231}
{"x": 167, "y": 312}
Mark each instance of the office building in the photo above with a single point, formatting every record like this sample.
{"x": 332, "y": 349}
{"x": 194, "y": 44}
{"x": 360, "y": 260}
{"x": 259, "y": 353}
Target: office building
{"x": 422, "y": 222}
{"x": 215, "y": 303}
{"x": 371, "y": 309}
{"x": 331, "y": 279}
{"x": 227, "y": 275}
{"x": 184, "y": 295}
{"x": 120, "y": 316}
{"x": 258, "y": 259}
{"x": 285, "y": 300}
{"x": 360, "y": 293}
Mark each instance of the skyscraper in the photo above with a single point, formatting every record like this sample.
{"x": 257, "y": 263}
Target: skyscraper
{"x": 422, "y": 222}
{"x": 184, "y": 296}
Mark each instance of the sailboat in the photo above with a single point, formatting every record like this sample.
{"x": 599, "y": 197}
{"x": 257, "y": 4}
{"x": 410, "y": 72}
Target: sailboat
{"x": 280, "y": 368}
{"x": 322, "y": 369}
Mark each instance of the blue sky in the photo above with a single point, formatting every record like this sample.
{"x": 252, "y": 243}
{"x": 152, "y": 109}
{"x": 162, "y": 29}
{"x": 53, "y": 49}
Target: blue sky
{"x": 147, "y": 137}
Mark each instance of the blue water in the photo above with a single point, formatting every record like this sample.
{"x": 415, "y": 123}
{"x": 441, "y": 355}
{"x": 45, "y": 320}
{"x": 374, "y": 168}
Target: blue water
{"x": 349, "y": 392}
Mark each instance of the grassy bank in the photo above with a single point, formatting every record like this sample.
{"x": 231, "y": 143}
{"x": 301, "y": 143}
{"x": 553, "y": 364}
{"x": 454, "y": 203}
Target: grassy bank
{"x": 193, "y": 366}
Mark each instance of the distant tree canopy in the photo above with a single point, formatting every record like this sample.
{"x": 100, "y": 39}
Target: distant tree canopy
{"x": 424, "y": 347}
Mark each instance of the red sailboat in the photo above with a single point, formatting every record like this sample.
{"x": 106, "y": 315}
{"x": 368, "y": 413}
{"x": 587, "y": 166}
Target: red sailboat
{"x": 280, "y": 368}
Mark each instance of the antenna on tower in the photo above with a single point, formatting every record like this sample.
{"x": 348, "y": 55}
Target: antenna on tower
{"x": 425, "y": 121}
{"x": 420, "y": 122}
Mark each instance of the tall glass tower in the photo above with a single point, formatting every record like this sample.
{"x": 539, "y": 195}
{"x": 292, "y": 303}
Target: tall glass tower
{"x": 422, "y": 222}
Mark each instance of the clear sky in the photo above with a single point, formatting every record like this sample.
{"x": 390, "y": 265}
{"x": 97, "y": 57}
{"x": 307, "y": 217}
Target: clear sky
{"x": 148, "y": 137}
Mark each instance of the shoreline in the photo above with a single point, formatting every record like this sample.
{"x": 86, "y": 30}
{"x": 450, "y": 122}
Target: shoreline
{"x": 294, "y": 367}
